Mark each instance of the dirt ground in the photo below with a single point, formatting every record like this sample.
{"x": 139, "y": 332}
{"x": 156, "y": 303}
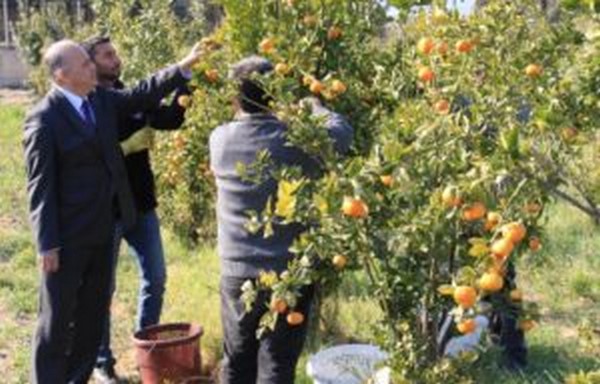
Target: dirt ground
{"x": 16, "y": 96}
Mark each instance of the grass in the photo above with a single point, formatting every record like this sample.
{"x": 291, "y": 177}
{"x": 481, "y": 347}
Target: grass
{"x": 17, "y": 261}
{"x": 564, "y": 278}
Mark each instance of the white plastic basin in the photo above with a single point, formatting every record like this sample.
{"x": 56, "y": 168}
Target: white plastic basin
{"x": 348, "y": 364}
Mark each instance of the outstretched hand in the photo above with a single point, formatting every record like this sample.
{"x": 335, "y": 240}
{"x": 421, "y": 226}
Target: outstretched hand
{"x": 192, "y": 58}
{"x": 49, "y": 262}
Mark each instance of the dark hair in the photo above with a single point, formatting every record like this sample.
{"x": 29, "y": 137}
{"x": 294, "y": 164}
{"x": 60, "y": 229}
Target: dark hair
{"x": 251, "y": 98}
{"x": 92, "y": 43}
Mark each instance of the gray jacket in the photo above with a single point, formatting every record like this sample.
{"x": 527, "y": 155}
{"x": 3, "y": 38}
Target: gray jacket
{"x": 242, "y": 253}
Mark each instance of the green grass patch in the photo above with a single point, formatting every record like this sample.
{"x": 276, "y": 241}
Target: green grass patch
{"x": 13, "y": 207}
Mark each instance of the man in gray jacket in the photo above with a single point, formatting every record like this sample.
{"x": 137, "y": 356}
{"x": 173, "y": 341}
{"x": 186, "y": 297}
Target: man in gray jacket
{"x": 273, "y": 358}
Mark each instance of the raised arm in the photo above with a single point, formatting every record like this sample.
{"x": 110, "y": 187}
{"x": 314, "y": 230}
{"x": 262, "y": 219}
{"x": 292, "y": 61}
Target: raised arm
{"x": 148, "y": 93}
{"x": 170, "y": 116}
{"x": 340, "y": 131}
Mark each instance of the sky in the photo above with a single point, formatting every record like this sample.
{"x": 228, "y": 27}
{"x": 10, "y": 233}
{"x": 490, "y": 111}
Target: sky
{"x": 463, "y": 6}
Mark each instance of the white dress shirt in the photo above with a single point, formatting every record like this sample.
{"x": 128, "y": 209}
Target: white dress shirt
{"x": 75, "y": 100}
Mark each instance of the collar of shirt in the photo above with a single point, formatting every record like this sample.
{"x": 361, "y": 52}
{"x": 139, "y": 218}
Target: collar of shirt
{"x": 74, "y": 100}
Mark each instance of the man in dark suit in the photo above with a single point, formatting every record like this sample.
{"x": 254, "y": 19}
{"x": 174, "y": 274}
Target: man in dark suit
{"x": 78, "y": 188}
{"x": 143, "y": 238}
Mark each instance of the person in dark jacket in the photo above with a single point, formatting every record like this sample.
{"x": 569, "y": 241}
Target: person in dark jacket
{"x": 78, "y": 189}
{"x": 273, "y": 358}
{"x": 143, "y": 239}
{"x": 504, "y": 325}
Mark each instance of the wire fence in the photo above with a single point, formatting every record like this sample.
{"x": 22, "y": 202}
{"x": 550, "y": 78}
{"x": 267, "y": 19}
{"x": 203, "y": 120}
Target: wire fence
{"x": 7, "y": 30}
{"x": 12, "y": 9}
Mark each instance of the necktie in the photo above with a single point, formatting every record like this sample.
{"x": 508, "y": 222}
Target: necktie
{"x": 88, "y": 115}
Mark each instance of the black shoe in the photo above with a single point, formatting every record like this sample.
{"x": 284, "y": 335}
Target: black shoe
{"x": 106, "y": 375}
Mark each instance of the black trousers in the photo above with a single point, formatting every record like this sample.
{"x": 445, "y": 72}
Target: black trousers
{"x": 273, "y": 358}
{"x": 72, "y": 306}
{"x": 504, "y": 327}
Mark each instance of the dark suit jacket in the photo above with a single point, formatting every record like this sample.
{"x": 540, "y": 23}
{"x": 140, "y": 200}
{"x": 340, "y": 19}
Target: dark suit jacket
{"x": 77, "y": 182}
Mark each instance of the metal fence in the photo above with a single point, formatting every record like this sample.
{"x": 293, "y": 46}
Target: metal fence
{"x": 7, "y": 30}
{"x": 13, "y": 9}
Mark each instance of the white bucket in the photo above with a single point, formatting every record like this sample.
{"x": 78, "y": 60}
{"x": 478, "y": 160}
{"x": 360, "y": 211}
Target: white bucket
{"x": 348, "y": 364}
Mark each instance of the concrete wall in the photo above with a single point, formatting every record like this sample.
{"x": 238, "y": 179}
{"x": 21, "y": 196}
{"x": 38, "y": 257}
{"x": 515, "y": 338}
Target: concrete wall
{"x": 13, "y": 70}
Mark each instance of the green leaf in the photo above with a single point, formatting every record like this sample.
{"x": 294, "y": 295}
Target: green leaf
{"x": 510, "y": 142}
{"x": 286, "y": 200}
{"x": 446, "y": 290}
{"x": 266, "y": 324}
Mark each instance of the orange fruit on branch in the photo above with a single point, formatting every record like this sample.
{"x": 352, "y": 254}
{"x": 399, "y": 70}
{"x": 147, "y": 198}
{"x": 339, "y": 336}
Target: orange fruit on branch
{"x": 492, "y": 220}
{"x": 282, "y": 69}
{"x": 338, "y": 87}
{"x": 464, "y": 46}
{"x": 465, "y": 296}
{"x": 387, "y": 180}
{"x": 491, "y": 282}
{"x": 466, "y": 326}
{"x": 425, "y": 45}
{"x": 316, "y": 87}
{"x": 267, "y": 45}
{"x": 339, "y": 261}
{"x": 473, "y": 212}
{"x": 515, "y": 232}
{"x": 502, "y": 248}
{"x": 212, "y": 75}
{"x": 279, "y": 305}
{"x": 442, "y": 107}
{"x": 426, "y": 74}
{"x": 334, "y": 33}
{"x": 184, "y": 101}
{"x": 354, "y": 207}
{"x": 534, "y": 70}
{"x": 535, "y": 244}
{"x": 295, "y": 318}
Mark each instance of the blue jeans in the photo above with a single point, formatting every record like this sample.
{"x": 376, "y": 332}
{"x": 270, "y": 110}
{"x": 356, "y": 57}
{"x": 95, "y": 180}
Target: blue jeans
{"x": 145, "y": 244}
